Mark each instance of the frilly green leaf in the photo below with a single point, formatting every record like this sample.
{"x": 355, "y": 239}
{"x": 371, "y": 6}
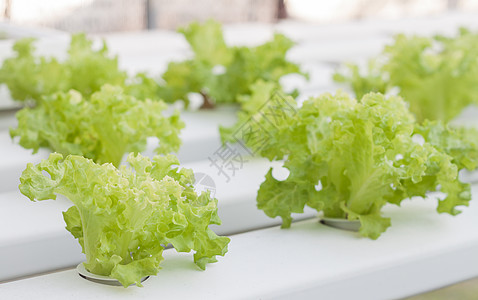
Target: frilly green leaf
{"x": 102, "y": 127}
{"x": 222, "y": 73}
{"x": 86, "y": 69}
{"x": 437, "y": 76}
{"x": 123, "y": 218}
{"x": 350, "y": 158}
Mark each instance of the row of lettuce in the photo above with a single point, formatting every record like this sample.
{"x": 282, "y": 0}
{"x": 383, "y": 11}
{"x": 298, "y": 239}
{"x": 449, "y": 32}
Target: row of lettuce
{"x": 346, "y": 158}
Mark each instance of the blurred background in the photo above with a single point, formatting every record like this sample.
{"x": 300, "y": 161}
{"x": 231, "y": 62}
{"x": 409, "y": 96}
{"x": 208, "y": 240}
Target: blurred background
{"x": 97, "y": 16}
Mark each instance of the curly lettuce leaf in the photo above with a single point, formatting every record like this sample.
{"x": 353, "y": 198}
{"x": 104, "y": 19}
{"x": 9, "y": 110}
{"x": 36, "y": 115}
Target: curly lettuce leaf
{"x": 265, "y": 62}
{"x": 123, "y": 218}
{"x": 88, "y": 69}
{"x": 103, "y": 127}
{"x": 141, "y": 86}
{"x": 261, "y": 92}
{"x": 363, "y": 82}
{"x": 30, "y": 77}
{"x": 182, "y": 78}
{"x": 266, "y": 110}
{"x": 437, "y": 76}
{"x": 207, "y": 42}
{"x": 348, "y": 159}
{"x": 221, "y": 73}
{"x": 460, "y": 143}
{"x": 281, "y": 198}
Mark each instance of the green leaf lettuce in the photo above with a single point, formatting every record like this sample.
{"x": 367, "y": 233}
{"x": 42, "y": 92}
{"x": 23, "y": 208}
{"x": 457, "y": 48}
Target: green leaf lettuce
{"x": 222, "y": 73}
{"x": 348, "y": 159}
{"x": 30, "y": 77}
{"x": 102, "y": 127}
{"x": 123, "y": 218}
{"x": 437, "y": 76}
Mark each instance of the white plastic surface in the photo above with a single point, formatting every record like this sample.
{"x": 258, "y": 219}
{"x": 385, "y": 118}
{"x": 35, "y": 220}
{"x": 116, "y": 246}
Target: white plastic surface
{"x": 13, "y": 160}
{"x": 421, "y": 251}
{"x": 33, "y": 238}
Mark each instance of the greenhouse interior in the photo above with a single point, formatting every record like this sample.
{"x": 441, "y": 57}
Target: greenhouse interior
{"x": 254, "y": 149}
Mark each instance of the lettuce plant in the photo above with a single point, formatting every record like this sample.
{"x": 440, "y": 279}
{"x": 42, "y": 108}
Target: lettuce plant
{"x": 102, "y": 127}
{"x": 437, "y": 76}
{"x": 124, "y": 218}
{"x": 348, "y": 159}
{"x": 30, "y": 77}
{"x": 221, "y": 73}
